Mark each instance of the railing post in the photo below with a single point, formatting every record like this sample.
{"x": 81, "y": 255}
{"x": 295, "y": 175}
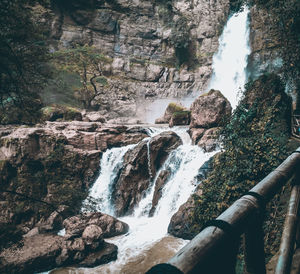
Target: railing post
{"x": 254, "y": 247}
{"x": 288, "y": 239}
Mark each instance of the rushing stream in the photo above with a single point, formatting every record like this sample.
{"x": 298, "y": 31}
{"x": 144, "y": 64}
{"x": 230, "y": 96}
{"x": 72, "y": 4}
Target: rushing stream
{"x": 147, "y": 242}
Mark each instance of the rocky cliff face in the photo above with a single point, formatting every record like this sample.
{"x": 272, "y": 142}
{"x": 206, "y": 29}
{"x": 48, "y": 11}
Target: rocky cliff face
{"x": 45, "y": 166}
{"x": 265, "y": 44}
{"x": 156, "y": 48}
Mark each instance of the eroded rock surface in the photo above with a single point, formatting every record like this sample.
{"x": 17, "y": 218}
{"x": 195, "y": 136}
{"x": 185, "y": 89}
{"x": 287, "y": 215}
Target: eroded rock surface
{"x": 210, "y": 110}
{"x": 53, "y": 163}
{"x": 140, "y": 166}
{"x": 138, "y": 40}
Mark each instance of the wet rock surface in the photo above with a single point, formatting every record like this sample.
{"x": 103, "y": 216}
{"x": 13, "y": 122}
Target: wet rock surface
{"x": 53, "y": 164}
{"x": 140, "y": 166}
{"x": 159, "y": 184}
{"x": 181, "y": 222}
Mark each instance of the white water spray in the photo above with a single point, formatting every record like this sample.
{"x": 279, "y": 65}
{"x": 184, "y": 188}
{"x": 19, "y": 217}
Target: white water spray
{"x": 145, "y": 232}
{"x": 101, "y": 191}
{"x": 229, "y": 63}
{"x": 183, "y": 165}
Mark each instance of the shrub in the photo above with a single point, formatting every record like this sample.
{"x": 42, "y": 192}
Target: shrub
{"x": 254, "y": 143}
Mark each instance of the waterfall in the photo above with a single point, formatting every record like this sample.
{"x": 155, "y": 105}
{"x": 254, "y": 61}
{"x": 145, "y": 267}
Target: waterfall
{"x": 229, "y": 63}
{"x": 182, "y": 165}
{"x": 101, "y": 191}
{"x": 145, "y": 232}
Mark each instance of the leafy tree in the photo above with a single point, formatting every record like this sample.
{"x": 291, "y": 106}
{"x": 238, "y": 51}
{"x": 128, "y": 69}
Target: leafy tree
{"x": 23, "y": 54}
{"x": 88, "y": 64}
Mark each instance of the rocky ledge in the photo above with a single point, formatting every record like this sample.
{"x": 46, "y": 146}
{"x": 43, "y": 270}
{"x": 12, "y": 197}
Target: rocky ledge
{"x": 54, "y": 164}
{"x": 82, "y": 245}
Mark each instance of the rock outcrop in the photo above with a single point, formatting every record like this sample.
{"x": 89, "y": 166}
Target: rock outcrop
{"x": 109, "y": 225}
{"x": 208, "y": 112}
{"x": 170, "y": 110}
{"x": 265, "y": 44}
{"x": 52, "y": 164}
{"x": 140, "y": 44}
{"x": 139, "y": 168}
{"x": 83, "y": 245}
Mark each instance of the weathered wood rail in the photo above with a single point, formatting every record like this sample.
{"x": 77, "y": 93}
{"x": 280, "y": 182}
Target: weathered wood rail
{"x": 215, "y": 248}
{"x": 295, "y": 126}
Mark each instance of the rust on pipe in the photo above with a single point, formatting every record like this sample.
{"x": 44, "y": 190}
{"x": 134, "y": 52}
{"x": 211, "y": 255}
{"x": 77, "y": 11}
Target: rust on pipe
{"x": 203, "y": 249}
{"x": 289, "y": 234}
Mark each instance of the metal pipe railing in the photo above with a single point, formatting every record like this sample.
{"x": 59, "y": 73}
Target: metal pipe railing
{"x": 209, "y": 251}
{"x": 287, "y": 245}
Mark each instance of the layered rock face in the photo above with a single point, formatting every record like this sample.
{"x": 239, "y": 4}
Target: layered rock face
{"x": 265, "y": 44}
{"x": 47, "y": 166}
{"x": 142, "y": 41}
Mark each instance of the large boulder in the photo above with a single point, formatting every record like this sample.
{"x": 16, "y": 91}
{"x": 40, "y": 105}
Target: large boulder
{"x": 75, "y": 226}
{"x": 180, "y": 224}
{"x": 139, "y": 168}
{"x": 106, "y": 254}
{"x": 209, "y": 141}
{"x": 210, "y": 110}
{"x": 37, "y": 253}
{"x": 180, "y": 118}
{"x": 170, "y": 110}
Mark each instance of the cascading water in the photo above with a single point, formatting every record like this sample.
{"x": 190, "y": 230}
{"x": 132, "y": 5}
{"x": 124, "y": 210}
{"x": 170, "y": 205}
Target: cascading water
{"x": 101, "y": 191}
{"x": 147, "y": 242}
{"x": 146, "y": 232}
{"x": 229, "y": 63}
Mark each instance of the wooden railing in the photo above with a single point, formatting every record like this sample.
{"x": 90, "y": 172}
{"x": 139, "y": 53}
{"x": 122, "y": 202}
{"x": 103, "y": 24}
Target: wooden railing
{"x": 215, "y": 248}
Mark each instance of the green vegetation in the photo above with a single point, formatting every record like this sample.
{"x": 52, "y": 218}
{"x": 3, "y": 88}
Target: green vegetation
{"x": 88, "y": 64}
{"x": 181, "y": 114}
{"x": 23, "y": 58}
{"x": 173, "y": 107}
{"x": 254, "y": 143}
{"x": 66, "y": 113}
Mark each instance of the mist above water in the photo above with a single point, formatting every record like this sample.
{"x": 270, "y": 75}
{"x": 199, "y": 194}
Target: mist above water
{"x": 229, "y": 68}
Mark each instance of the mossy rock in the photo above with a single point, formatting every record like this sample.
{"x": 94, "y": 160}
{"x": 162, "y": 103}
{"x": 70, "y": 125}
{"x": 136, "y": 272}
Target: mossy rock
{"x": 180, "y": 118}
{"x": 174, "y": 107}
{"x": 62, "y": 113}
